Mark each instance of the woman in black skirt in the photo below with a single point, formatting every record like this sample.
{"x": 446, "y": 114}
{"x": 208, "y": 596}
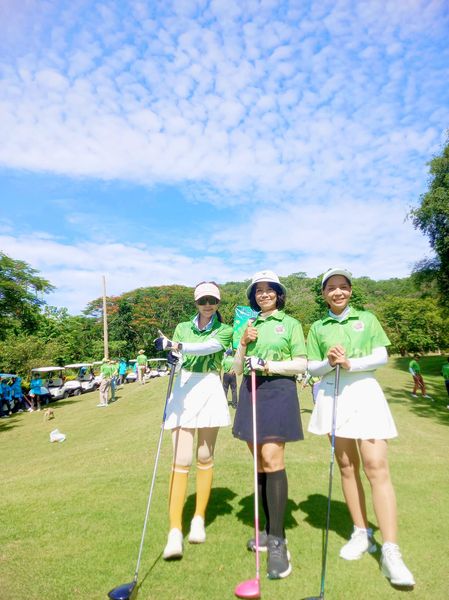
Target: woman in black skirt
{"x": 272, "y": 345}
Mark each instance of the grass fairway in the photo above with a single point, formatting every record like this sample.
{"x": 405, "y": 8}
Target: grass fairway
{"x": 73, "y": 511}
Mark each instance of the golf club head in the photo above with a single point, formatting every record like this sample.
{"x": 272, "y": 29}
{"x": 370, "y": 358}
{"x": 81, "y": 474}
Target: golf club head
{"x": 248, "y": 589}
{"x": 126, "y": 591}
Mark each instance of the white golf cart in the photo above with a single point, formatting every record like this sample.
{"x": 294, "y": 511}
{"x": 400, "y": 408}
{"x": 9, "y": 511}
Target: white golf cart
{"x": 84, "y": 381}
{"x": 52, "y": 382}
{"x": 157, "y": 367}
{"x": 131, "y": 376}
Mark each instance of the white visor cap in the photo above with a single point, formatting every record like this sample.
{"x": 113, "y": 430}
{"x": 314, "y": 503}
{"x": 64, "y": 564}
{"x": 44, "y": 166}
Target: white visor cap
{"x": 206, "y": 289}
{"x": 266, "y": 277}
{"x": 332, "y": 272}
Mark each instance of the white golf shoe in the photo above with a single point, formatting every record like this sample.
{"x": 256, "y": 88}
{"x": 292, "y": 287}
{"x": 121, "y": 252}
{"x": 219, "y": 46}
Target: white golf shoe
{"x": 360, "y": 542}
{"x": 393, "y": 566}
{"x": 197, "y": 533}
{"x": 174, "y": 548}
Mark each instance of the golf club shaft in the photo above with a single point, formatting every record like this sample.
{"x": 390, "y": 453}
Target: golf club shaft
{"x": 153, "y": 479}
{"x": 256, "y": 483}
{"x": 331, "y": 474}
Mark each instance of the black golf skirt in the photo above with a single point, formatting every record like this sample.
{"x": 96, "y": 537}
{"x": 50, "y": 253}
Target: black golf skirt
{"x": 277, "y": 410}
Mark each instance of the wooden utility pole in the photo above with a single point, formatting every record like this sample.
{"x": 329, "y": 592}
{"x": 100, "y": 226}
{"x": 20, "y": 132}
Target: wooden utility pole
{"x": 105, "y": 322}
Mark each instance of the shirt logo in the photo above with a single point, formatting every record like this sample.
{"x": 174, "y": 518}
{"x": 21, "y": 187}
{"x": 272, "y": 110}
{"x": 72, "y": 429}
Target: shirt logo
{"x": 359, "y": 326}
{"x": 279, "y": 329}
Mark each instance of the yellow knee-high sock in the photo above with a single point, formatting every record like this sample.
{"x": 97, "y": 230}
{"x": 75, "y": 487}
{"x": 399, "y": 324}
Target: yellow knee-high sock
{"x": 177, "y": 494}
{"x": 204, "y": 475}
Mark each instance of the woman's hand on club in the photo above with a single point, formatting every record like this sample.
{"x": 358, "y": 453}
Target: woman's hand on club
{"x": 337, "y": 356}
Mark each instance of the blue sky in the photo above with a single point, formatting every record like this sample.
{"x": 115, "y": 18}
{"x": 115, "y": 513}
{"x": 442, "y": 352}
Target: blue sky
{"x": 175, "y": 141}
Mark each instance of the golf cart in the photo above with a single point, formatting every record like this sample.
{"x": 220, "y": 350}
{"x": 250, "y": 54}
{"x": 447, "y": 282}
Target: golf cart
{"x": 156, "y": 367}
{"x": 84, "y": 381}
{"x": 132, "y": 375}
{"x": 54, "y": 384}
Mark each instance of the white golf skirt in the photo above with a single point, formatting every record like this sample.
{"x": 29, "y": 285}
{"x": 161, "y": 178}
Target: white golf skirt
{"x": 197, "y": 400}
{"x": 362, "y": 409}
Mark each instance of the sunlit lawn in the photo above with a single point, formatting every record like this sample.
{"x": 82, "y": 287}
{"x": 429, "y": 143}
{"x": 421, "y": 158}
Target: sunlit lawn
{"x": 73, "y": 511}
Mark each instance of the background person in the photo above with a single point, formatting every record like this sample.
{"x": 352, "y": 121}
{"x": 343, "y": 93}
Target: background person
{"x": 141, "y": 366}
{"x": 355, "y": 340}
{"x": 197, "y": 404}
{"x": 229, "y": 377}
{"x": 272, "y": 345}
{"x": 105, "y": 383}
{"x": 122, "y": 367}
{"x": 445, "y": 374}
{"x": 418, "y": 382}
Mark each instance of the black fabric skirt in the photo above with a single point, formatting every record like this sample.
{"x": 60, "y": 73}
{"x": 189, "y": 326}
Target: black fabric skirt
{"x": 277, "y": 411}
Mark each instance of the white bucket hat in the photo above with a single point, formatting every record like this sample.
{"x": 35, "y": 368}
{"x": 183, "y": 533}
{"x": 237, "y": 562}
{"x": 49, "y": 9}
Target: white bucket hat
{"x": 206, "y": 289}
{"x": 336, "y": 271}
{"x": 265, "y": 276}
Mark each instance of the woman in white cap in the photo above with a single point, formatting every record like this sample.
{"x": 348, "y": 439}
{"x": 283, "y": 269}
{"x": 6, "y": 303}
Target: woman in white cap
{"x": 273, "y": 345}
{"x": 355, "y": 340}
{"x": 198, "y": 404}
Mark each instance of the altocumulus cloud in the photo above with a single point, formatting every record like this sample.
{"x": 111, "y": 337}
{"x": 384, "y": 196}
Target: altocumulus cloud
{"x": 313, "y": 118}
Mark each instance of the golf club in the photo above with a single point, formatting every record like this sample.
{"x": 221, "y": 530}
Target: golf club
{"x": 251, "y": 587}
{"x": 331, "y": 474}
{"x": 128, "y": 591}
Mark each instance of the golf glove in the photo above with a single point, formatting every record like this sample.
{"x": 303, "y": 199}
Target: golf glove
{"x": 163, "y": 343}
{"x": 255, "y": 363}
{"x": 173, "y": 357}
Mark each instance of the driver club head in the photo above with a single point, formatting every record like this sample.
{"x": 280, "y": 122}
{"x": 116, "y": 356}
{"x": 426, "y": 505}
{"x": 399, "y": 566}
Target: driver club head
{"x": 126, "y": 591}
{"x": 248, "y": 589}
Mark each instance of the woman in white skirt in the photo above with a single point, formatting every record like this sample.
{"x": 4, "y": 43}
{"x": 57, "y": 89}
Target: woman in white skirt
{"x": 355, "y": 340}
{"x": 197, "y": 404}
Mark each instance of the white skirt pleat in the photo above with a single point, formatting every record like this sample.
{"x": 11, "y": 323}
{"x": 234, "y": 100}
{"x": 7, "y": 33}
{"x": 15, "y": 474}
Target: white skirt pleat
{"x": 362, "y": 409}
{"x": 197, "y": 401}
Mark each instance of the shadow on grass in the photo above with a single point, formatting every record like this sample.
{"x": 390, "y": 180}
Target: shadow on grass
{"x": 246, "y": 513}
{"x": 219, "y": 504}
{"x": 315, "y": 509}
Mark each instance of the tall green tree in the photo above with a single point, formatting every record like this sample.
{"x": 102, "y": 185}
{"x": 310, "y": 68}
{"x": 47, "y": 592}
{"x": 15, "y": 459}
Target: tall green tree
{"x": 414, "y": 325}
{"x": 432, "y": 218}
{"x": 21, "y": 296}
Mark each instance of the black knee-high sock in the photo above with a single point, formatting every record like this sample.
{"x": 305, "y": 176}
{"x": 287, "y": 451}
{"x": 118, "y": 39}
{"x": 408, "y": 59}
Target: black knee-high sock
{"x": 277, "y": 495}
{"x": 262, "y": 488}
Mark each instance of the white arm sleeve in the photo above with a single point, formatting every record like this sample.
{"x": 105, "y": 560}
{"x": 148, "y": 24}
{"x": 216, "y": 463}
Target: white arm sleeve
{"x": 210, "y": 346}
{"x": 318, "y": 368}
{"x": 377, "y": 358}
{"x": 237, "y": 365}
{"x": 287, "y": 367}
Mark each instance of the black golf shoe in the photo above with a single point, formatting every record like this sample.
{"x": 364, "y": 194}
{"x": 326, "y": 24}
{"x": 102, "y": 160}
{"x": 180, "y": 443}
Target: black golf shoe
{"x": 263, "y": 539}
{"x": 278, "y": 561}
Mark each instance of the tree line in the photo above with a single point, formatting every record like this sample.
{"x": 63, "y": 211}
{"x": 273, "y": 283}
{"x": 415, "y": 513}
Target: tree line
{"x": 34, "y": 334}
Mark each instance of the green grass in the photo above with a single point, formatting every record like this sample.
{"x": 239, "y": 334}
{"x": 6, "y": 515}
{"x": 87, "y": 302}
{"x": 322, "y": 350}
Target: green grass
{"x": 73, "y": 512}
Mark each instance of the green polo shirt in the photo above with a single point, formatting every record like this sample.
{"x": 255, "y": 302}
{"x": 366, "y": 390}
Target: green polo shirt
{"x": 445, "y": 371}
{"x": 141, "y": 360}
{"x": 359, "y": 333}
{"x": 279, "y": 337}
{"x": 189, "y": 332}
{"x": 414, "y": 366}
{"x": 227, "y": 363}
{"x": 105, "y": 370}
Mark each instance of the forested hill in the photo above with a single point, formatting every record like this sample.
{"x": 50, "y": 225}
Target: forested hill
{"x": 407, "y": 308}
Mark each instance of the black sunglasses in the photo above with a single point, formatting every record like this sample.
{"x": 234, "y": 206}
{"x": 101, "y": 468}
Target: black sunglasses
{"x": 207, "y": 300}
